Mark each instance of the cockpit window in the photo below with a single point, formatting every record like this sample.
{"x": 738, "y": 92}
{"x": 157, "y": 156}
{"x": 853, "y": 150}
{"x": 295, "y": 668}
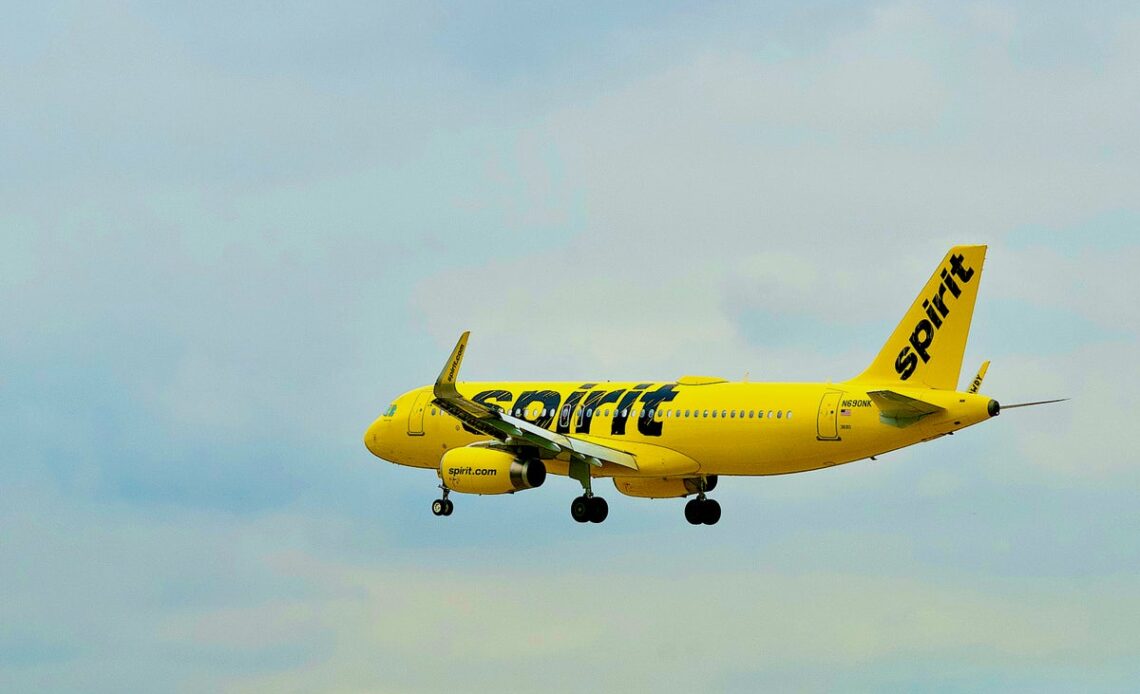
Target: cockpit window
{"x": 391, "y": 410}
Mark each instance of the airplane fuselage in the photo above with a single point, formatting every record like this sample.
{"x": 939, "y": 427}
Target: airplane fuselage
{"x": 679, "y": 428}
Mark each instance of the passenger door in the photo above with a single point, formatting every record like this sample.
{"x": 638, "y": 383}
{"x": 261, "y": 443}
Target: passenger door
{"x": 416, "y": 414}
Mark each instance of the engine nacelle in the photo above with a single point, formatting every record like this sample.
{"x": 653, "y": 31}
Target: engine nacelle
{"x": 476, "y": 470}
{"x": 662, "y": 487}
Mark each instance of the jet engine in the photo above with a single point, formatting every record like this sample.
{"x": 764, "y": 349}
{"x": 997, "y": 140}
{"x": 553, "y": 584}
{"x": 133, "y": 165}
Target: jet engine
{"x": 662, "y": 487}
{"x": 477, "y": 470}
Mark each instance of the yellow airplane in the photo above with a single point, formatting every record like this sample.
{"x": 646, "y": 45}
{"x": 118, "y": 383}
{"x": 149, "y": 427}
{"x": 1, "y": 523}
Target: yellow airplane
{"x": 667, "y": 440}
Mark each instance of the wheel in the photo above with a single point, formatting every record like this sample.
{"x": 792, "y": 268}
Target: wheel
{"x": 710, "y": 514}
{"x": 449, "y": 506}
{"x": 693, "y": 511}
{"x": 438, "y": 506}
{"x": 599, "y": 509}
{"x": 580, "y": 509}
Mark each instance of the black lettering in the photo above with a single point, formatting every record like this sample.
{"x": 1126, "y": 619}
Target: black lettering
{"x": 921, "y": 343}
{"x": 549, "y": 399}
{"x": 593, "y": 401}
{"x": 933, "y": 316}
{"x": 906, "y": 363}
{"x": 649, "y": 426}
{"x": 951, "y": 284}
{"x": 939, "y": 303}
{"x": 617, "y": 427}
{"x": 962, "y": 273}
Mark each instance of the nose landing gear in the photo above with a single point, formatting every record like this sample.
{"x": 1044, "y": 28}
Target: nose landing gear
{"x": 443, "y": 506}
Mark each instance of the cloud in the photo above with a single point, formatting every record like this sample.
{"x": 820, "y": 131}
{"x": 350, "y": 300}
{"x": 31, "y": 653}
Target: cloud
{"x": 250, "y": 604}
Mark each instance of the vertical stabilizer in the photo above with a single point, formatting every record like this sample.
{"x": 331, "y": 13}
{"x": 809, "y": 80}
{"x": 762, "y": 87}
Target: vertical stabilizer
{"x": 926, "y": 348}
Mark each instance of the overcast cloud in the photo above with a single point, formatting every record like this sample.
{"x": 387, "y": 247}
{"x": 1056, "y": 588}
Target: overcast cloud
{"x": 229, "y": 237}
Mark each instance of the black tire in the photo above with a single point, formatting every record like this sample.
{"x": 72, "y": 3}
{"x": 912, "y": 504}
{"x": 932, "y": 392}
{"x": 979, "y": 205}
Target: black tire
{"x": 693, "y": 511}
{"x": 580, "y": 509}
{"x": 448, "y": 507}
{"x": 710, "y": 514}
{"x": 599, "y": 509}
{"x": 437, "y": 507}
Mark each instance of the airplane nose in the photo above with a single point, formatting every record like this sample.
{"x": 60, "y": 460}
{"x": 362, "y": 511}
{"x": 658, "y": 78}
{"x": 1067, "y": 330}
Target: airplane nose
{"x": 372, "y": 438}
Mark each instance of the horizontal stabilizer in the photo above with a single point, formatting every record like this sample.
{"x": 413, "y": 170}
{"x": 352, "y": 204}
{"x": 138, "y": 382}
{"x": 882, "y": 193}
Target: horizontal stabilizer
{"x": 901, "y": 410}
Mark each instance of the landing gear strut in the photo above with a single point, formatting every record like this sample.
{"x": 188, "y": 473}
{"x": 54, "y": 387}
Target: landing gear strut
{"x": 702, "y": 510}
{"x": 586, "y": 508}
{"x": 443, "y": 506}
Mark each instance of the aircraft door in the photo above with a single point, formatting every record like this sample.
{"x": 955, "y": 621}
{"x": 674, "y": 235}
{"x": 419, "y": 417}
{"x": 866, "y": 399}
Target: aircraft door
{"x": 416, "y": 414}
{"x": 827, "y": 421}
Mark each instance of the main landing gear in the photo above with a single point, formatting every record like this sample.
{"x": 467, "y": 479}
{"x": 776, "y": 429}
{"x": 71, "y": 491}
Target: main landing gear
{"x": 586, "y": 508}
{"x": 702, "y": 510}
{"x": 589, "y": 508}
{"x": 443, "y": 507}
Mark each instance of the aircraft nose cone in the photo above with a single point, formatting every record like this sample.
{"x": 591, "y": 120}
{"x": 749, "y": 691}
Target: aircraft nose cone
{"x": 372, "y": 438}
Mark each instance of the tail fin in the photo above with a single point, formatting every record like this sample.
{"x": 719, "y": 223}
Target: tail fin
{"x": 927, "y": 346}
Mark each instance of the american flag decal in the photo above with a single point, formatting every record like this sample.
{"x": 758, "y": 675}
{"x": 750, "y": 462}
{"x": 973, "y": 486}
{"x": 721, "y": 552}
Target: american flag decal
{"x": 845, "y": 412}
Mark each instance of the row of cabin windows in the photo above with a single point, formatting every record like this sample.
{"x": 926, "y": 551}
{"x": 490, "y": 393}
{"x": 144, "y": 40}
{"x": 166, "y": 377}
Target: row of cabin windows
{"x": 659, "y": 414}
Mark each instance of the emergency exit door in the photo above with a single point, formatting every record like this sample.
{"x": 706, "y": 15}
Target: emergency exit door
{"x": 827, "y": 422}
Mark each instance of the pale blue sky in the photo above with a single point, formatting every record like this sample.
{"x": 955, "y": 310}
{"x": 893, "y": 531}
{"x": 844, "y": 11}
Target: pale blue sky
{"x": 228, "y": 238}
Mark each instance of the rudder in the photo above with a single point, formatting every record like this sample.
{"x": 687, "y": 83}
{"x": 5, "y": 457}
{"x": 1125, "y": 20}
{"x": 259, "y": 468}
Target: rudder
{"x": 927, "y": 347}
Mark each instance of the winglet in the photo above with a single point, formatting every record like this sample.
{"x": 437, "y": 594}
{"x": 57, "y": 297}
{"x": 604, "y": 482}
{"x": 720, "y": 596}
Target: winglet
{"x": 445, "y": 384}
{"x": 976, "y": 384}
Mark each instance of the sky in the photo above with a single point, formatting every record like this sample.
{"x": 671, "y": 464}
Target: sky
{"x": 230, "y": 236}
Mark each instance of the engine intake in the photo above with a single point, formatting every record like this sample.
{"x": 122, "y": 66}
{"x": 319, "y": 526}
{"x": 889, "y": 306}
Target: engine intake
{"x": 488, "y": 471}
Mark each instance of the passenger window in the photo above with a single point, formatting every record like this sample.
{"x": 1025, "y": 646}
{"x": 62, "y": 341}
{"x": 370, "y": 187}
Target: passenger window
{"x": 769, "y": 414}
{"x": 760, "y": 414}
{"x": 714, "y": 414}
{"x": 751, "y": 414}
{"x": 677, "y": 413}
{"x": 625, "y": 413}
{"x": 733, "y": 414}
{"x": 724, "y": 413}
{"x": 789, "y": 414}
{"x": 779, "y": 414}
{"x": 706, "y": 413}
{"x": 589, "y": 413}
